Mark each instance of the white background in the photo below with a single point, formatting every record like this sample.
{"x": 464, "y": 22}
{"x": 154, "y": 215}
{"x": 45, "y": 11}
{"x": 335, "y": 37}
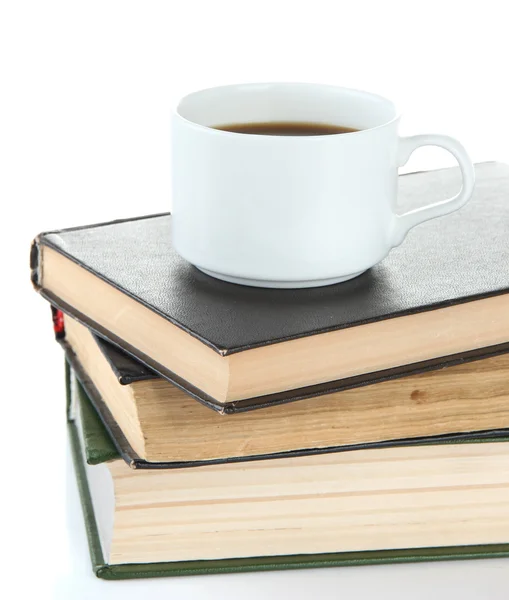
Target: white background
{"x": 86, "y": 89}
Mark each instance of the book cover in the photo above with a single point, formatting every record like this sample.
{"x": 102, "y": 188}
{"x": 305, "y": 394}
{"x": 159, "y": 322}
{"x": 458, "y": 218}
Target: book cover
{"x": 454, "y": 268}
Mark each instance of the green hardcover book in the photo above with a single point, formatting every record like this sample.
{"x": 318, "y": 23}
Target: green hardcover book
{"x": 423, "y": 503}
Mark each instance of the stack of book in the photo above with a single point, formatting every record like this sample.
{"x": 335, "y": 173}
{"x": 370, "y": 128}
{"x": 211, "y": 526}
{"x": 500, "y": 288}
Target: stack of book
{"x": 219, "y": 428}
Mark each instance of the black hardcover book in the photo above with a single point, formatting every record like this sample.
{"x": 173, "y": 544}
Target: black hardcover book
{"x": 438, "y": 297}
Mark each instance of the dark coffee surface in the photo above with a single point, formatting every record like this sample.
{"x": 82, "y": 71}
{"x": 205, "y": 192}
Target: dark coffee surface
{"x": 286, "y": 128}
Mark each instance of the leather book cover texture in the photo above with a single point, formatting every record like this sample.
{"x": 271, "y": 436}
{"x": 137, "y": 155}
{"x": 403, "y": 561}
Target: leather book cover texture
{"x": 444, "y": 262}
{"x": 99, "y": 445}
{"x": 126, "y": 368}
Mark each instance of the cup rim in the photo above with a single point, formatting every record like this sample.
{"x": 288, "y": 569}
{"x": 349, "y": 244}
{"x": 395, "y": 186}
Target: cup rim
{"x": 396, "y": 117}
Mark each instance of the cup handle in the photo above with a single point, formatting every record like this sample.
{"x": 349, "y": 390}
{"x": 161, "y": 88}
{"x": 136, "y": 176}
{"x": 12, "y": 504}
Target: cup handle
{"x": 407, "y": 145}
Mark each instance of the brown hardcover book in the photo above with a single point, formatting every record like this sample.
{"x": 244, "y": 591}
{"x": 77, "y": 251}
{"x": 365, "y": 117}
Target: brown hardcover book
{"x": 440, "y": 295}
{"x": 157, "y": 425}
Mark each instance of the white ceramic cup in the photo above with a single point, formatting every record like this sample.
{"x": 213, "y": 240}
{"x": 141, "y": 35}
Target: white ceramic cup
{"x": 293, "y": 211}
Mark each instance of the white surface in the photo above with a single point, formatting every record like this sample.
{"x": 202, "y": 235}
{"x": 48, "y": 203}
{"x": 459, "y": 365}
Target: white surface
{"x": 285, "y": 211}
{"x": 84, "y": 137}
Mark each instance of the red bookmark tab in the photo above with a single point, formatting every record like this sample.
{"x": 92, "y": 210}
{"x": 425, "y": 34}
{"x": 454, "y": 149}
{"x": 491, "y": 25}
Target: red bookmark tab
{"x": 58, "y": 322}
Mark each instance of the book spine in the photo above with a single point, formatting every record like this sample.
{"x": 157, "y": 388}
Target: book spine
{"x": 35, "y": 267}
